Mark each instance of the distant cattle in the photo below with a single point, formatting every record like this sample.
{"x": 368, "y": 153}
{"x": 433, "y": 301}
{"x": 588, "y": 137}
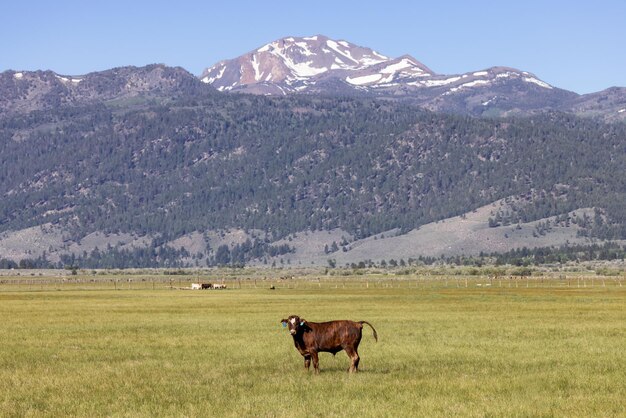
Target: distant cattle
{"x": 198, "y": 286}
{"x": 311, "y": 338}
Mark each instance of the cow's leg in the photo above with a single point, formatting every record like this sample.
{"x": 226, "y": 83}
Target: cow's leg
{"x": 316, "y": 362}
{"x": 307, "y": 362}
{"x": 354, "y": 356}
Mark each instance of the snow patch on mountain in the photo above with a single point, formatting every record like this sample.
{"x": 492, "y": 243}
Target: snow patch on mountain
{"x": 399, "y": 66}
{"x": 255, "y": 66}
{"x": 469, "y": 84}
{"x": 300, "y": 69}
{"x": 537, "y": 82}
{"x": 219, "y": 75}
{"x": 486, "y": 103}
{"x": 373, "y": 59}
{"x": 305, "y": 48}
{"x": 68, "y": 80}
{"x": 366, "y": 79}
{"x": 435, "y": 83}
{"x": 335, "y": 47}
{"x": 507, "y": 74}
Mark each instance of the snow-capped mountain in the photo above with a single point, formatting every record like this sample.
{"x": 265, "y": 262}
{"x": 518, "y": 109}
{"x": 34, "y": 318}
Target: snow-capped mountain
{"x": 318, "y": 64}
{"x": 313, "y": 65}
{"x": 297, "y": 64}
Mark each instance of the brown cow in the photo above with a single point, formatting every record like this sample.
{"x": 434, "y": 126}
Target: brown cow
{"x": 311, "y": 338}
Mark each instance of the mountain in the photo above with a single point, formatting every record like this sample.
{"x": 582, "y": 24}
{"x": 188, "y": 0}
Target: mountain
{"x": 320, "y": 65}
{"x": 222, "y": 178}
{"x": 315, "y": 65}
{"x": 355, "y": 156}
{"x": 610, "y": 104}
{"x": 299, "y": 64}
{"x": 25, "y": 91}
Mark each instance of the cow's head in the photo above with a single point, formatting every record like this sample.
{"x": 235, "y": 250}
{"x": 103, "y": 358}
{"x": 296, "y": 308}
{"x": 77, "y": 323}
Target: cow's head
{"x": 295, "y": 324}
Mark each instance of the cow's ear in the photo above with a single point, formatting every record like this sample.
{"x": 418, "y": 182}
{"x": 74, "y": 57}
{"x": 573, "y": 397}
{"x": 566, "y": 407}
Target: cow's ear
{"x": 283, "y": 321}
{"x": 302, "y": 322}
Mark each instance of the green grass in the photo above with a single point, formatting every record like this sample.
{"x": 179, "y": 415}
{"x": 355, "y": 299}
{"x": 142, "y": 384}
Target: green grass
{"x": 441, "y": 352}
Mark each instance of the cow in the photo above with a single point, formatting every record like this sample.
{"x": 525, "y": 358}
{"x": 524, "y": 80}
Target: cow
{"x": 311, "y": 338}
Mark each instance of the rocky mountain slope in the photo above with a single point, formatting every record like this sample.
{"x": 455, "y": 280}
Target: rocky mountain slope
{"x": 320, "y": 65}
{"x": 609, "y": 104}
{"x": 300, "y": 64}
{"x": 26, "y": 91}
{"x": 468, "y": 234}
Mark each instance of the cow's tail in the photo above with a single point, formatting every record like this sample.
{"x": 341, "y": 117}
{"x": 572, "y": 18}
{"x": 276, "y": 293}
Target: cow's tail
{"x": 372, "y": 327}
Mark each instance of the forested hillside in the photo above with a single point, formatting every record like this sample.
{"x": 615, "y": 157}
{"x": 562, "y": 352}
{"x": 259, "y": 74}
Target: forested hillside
{"x": 212, "y": 161}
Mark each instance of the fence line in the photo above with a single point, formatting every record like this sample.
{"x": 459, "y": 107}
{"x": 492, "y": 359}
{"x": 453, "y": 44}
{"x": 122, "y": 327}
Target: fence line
{"x": 413, "y": 282}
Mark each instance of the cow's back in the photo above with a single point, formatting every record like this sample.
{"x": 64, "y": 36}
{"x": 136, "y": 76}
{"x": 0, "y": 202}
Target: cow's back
{"x": 333, "y": 336}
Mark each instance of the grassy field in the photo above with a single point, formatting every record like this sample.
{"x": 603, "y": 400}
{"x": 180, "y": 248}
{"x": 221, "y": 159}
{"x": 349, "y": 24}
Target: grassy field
{"x": 442, "y": 351}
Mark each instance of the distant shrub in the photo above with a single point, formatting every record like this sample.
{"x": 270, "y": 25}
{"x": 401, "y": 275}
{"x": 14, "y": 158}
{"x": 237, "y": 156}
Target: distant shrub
{"x": 522, "y": 271}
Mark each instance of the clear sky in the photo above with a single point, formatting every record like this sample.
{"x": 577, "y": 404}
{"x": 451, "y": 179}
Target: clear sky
{"x": 576, "y": 45}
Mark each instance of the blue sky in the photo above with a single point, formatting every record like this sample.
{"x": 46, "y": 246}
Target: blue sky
{"x": 572, "y": 44}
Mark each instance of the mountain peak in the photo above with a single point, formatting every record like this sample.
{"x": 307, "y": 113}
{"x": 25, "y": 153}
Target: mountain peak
{"x": 319, "y": 64}
{"x": 290, "y": 64}
{"x": 34, "y": 90}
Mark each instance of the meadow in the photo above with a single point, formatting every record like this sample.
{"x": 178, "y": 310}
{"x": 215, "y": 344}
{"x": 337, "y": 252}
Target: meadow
{"x": 450, "y": 348}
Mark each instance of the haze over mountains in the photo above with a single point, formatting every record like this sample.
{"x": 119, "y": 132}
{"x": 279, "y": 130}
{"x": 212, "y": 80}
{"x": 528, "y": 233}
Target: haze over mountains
{"x": 340, "y": 153}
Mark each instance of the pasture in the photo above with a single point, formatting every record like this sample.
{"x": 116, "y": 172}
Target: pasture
{"x": 453, "y": 349}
